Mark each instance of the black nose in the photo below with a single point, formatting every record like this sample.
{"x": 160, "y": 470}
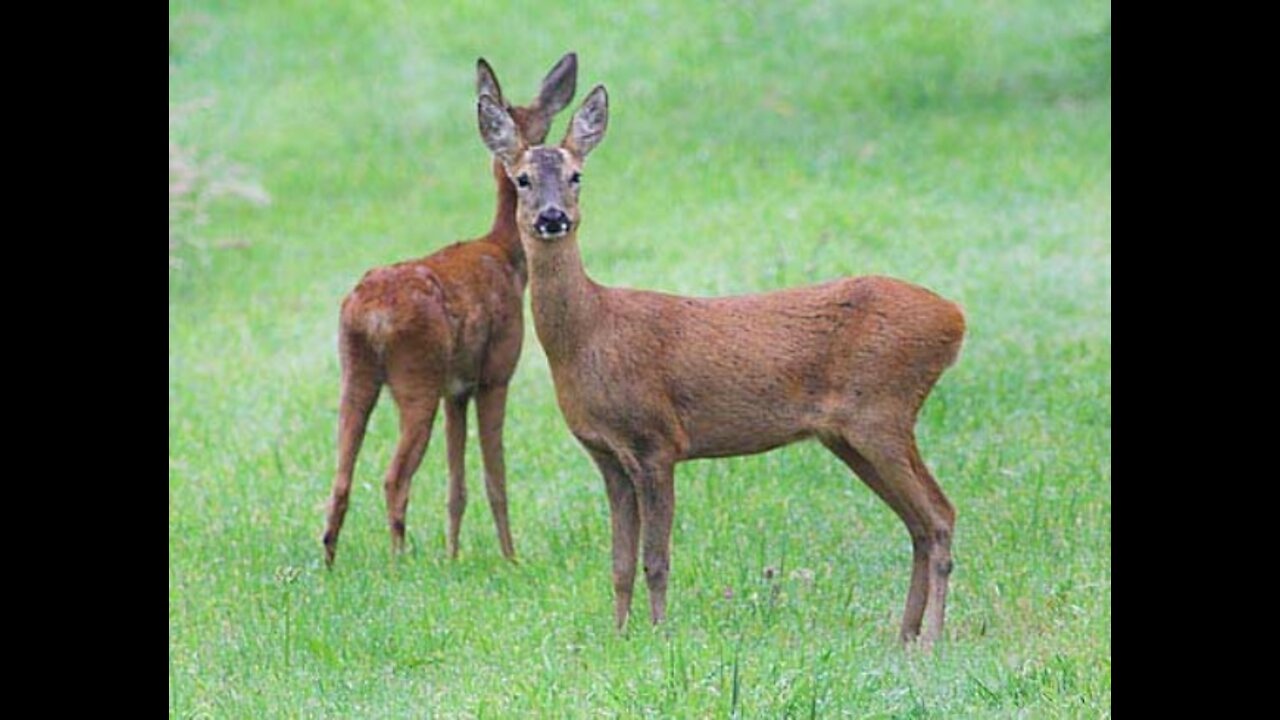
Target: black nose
{"x": 552, "y": 222}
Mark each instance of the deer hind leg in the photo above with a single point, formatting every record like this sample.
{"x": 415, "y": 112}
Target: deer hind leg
{"x": 361, "y": 383}
{"x": 455, "y": 425}
{"x": 491, "y": 408}
{"x": 942, "y": 527}
{"x": 416, "y": 389}
{"x": 895, "y": 472}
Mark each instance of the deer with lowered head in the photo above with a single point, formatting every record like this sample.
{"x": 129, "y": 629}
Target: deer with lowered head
{"x": 445, "y": 327}
{"x": 646, "y": 380}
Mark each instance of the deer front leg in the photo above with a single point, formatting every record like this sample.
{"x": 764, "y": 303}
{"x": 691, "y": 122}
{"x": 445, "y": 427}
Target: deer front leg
{"x": 491, "y": 406}
{"x": 624, "y": 514}
{"x": 455, "y": 427}
{"x": 655, "y": 488}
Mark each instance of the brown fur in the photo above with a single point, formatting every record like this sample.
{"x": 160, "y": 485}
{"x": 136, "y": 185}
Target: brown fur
{"x": 445, "y": 327}
{"x": 646, "y": 380}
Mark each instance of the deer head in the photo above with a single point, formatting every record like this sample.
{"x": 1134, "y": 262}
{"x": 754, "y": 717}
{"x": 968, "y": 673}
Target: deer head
{"x": 547, "y": 179}
{"x": 533, "y": 120}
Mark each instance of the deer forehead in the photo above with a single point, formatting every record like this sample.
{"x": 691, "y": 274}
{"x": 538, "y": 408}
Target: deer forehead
{"x": 547, "y": 164}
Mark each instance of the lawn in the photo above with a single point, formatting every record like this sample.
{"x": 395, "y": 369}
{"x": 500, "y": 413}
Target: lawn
{"x": 964, "y": 146}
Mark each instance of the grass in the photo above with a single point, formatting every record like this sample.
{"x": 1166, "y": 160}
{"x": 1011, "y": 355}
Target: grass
{"x": 962, "y": 145}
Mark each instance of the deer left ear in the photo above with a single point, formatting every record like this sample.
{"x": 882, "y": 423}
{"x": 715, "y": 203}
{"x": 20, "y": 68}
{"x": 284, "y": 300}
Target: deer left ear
{"x": 586, "y": 130}
{"x": 498, "y": 130}
{"x": 559, "y": 85}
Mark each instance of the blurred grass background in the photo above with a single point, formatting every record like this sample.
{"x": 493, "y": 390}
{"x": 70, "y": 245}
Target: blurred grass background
{"x": 965, "y": 146}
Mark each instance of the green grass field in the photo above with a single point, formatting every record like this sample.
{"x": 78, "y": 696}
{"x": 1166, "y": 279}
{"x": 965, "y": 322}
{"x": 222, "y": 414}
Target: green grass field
{"x": 965, "y": 146}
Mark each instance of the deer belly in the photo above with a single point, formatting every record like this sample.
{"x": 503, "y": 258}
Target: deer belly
{"x": 742, "y": 429}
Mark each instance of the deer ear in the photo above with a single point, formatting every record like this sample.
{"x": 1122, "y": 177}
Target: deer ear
{"x": 558, "y": 86}
{"x": 487, "y": 82}
{"x": 498, "y": 130}
{"x": 586, "y": 130}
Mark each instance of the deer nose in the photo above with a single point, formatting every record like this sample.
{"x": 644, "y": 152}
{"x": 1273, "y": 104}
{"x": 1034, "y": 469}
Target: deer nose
{"x": 552, "y": 222}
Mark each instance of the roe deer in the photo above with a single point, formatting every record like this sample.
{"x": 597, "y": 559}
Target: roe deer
{"x": 645, "y": 380}
{"x": 447, "y": 326}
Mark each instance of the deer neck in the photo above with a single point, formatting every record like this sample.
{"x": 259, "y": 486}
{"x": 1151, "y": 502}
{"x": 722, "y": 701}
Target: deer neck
{"x": 503, "y": 232}
{"x": 566, "y": 303}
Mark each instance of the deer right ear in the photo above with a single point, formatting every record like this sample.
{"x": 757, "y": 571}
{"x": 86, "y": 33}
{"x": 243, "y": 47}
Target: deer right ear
{"x": 586, "y": 130}
{"x": 487, "y": 82}
{"x": 498, "y": 130}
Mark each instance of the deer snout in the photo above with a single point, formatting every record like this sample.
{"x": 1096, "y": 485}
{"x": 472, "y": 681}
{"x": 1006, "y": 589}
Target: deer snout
{"x": 552, "y": 222}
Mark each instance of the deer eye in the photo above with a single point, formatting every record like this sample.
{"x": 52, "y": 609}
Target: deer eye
{"x": 522, "y": 180}
{"x": 575, "y": 178}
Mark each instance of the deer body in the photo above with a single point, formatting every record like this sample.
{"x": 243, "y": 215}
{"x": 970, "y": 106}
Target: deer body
{"x": 646, "y": 379}
{"x": 447, "y": 327}
{"x": 466, "y": 299}
{"x": 720, "y": 377}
